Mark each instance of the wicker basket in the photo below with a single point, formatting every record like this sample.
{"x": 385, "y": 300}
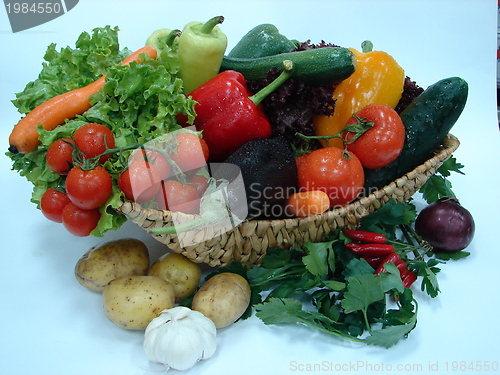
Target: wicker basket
{"x": 248, "y": 242}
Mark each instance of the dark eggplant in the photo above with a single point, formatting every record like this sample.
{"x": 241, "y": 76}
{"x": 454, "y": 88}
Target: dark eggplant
{"x": 269, "y": 174}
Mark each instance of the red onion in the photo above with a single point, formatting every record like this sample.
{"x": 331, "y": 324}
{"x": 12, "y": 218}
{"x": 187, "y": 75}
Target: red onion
{"x": 446, "y": 225}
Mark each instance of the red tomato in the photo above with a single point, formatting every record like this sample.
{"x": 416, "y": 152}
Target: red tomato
{"x": 381, "y": 144}
{"x": 78, "y": 221}
{"x": 155, "y": 159}
{"x": 300, "y": 159}
{"x": 178, "y": 197}
{"x": 199, "y": 182}
{"x": 191, "y": 152}
{"x": 328, "y": 169}
{"x": 139, "y": 182}
{"x": 52, "y": 204}
{"x": 90, "y": 137}
{"x": 88, "y": 189}
{"x": 59, "y": 155}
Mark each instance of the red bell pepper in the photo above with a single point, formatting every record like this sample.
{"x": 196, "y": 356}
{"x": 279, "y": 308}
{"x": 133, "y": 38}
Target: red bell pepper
{"x": 228, "y": 114}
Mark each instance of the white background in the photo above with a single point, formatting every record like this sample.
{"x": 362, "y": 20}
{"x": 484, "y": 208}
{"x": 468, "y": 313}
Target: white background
{"x": 52, "y": 325}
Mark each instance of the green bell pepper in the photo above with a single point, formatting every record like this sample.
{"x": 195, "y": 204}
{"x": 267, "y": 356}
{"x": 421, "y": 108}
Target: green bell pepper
{"x": 262, "y": 40}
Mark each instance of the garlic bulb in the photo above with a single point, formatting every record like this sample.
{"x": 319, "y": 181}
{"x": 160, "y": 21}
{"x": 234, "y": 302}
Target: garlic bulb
{"x": 179, "y": 338}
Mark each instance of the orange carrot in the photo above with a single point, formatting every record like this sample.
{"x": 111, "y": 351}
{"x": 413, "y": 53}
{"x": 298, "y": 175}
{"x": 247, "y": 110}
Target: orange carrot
{"x": 307, "y": 203}
{"x": 53, "y": 112}
{"x": 149, "y": 50}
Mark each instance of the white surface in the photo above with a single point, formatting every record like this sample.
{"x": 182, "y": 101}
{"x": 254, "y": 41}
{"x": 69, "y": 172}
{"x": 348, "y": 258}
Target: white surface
{"x": 52, "y": 325}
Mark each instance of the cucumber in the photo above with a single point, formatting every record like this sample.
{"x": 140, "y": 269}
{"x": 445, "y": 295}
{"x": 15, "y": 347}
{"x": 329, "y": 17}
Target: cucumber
{"x": 428, "y": 119}
{"x": 318, "y": 66}
{"x": 262, "y": 40}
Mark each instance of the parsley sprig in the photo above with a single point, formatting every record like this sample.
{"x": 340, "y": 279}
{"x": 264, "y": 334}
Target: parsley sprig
{"x": 323, "y": 285}
{"x": 438, "y": 186}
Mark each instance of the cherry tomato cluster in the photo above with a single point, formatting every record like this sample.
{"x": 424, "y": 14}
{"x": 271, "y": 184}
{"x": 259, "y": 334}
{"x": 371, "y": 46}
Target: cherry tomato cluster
{"x": 86, "y": 187}
{"x": 149, "y": 176}
{"x": 340, "y": 173}
{"x": 373, "y": 248}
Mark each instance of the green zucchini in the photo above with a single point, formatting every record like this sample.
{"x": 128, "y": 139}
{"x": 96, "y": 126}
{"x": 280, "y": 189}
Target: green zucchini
{"x": 428, "y": 119}
{"x": 262, "y": 40}
{"x": 318, "y": 66}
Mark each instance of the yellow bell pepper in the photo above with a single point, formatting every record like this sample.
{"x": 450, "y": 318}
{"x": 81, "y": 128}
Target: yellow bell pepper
{"x": 378, "y": 79}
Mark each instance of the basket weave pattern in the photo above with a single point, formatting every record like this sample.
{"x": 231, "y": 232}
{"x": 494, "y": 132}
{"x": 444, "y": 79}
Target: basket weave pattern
{"x": 248, "y": 242}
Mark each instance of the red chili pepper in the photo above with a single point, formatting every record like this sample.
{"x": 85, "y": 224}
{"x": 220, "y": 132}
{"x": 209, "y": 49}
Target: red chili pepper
{"x": 364, "y": 236}
{"x": 408, "y": 278}
{"x": 401, "y": 266}
{"x": 372, "y": 249}
{"x": 228, "y": 114}
{"x": 392, "y": 258}
{"x": 374, "y": 261}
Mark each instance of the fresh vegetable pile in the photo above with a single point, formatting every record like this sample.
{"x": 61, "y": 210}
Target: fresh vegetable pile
{"x": 310, "y": 127}
{"x": 349, "y": 122}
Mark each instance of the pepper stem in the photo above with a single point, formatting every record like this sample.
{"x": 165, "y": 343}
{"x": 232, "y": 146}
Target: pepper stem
{"x": 367, "y": 46}
{"x": 285, "y": 74}
{"x": 210, "y": 24}
{"x": 169, "y": 41}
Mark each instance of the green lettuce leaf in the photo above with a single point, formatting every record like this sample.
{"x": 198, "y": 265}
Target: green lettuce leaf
{"x": 140, "y": 102}
{"x": 35, "y": 169}
{"x": 71, "y": 68}
{"x": 110, "y": 218}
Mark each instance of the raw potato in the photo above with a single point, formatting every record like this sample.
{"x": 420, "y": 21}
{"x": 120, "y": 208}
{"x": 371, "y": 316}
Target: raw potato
{"x": 223, "y": 298}
{"x": 131, "y": 302}
{"x": 110, "y": 260}
{"x": 182, "y": 273}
